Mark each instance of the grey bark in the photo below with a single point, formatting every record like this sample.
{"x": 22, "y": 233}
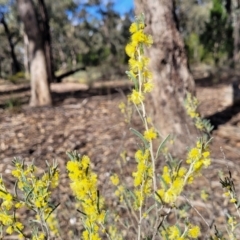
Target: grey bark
{"x": 26, "y": 56}
{"x": 236, "y": 29}
{"x": 171, "y": 76}
{"x": 45, "y": 29}
{"x": 40, "y": 91}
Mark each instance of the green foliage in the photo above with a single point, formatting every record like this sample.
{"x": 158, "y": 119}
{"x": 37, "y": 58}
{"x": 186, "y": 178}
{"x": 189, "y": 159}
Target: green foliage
{"x": 195, "y": 49}
{"x": 90, "y": 33}
{"x": 88, "y": 38}
{"x": 13, "y": 104}
{"x": 93, "y": 58}
{"x": 207, "y": 28}
{"x": 16, "y": 77}
{"x": 217, "y": 36}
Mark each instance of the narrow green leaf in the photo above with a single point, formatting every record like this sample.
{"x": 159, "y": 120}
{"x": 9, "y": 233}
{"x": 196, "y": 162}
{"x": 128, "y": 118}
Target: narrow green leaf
{"x": 70, "y": 156}
{"x": 132, "y": 77}
{"x": 163, "y": 181}
{"x": 162, "y": 144}
{"x": 159, "y": 197}
{"x": 150, "y": 209}
{"x": 28, "y": 195}
{"x": 140, "y": 115}
{"x": 138, "y": 134}
{"x": 132, "y": 194}
{"x": 53, "y": 209}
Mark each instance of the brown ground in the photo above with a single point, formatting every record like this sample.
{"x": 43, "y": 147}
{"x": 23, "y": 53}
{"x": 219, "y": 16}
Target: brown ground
{"x": 89, "y": 121}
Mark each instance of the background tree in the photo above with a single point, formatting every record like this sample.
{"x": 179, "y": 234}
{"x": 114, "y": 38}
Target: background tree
{"x": 192, "y": 16}
{"x": 168, "y": 63}
{"x": 10, "y": 39}
{"x": 46, "y": 36}
{"x": 40, "y": 91}
{"x": 15, "y": 64}
{"x": 217, "y": 36}
{"x": 78, "y": 37}
{"x": 235, "y": 13}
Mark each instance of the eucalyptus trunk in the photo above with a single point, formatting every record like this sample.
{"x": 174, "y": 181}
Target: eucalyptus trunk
{"x": 171, "y": 76}
{"x": 26, "y": 56}
{"x": 236, "y": 29}
{"x": 40, "y": 90}
{"x": 45, "y": 29}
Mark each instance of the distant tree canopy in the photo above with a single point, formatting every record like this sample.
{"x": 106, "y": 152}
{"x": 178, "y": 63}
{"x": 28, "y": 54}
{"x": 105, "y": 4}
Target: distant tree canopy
{"x": 92, "y": 33}
{"x": 215, "y": 37}
{"x": 210, "y": 29}
{"x": 88, "y": 34}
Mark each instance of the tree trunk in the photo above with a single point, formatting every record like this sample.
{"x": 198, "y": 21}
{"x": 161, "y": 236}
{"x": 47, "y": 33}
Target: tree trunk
{"x": 236, "y": 29}
{"x": 45, "y": 29}
{"x": 40, "y": 91}
{"x": 26, "y": 56}
{"x": 171, "y": 76}
{"x": 228, "y": 6}
{"x": 15, "y": 64}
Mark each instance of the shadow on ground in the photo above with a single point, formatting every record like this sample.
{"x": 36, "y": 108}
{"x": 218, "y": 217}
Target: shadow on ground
{"x": 63, "y": 92}
{"x": 224, "y": 116}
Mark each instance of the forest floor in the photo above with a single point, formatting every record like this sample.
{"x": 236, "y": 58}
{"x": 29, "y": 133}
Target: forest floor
{"x": 88, "y": 120}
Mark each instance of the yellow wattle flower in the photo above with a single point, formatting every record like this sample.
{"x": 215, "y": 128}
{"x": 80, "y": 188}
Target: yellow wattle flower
{"x": 84, "y": 187}
{"x": 194, "y": 232}
{"x": 136, "y": 97}
{"x": 130, "y": 50}
{"x": 150, "y": 134}
{"x": 114, "y": 179}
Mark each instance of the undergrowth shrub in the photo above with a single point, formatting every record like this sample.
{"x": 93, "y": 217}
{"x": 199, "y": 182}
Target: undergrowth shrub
{"x": 144, "y": 205}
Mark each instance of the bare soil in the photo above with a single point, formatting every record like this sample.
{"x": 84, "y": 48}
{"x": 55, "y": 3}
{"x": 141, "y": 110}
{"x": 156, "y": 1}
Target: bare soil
{"x": 88, "y": 120}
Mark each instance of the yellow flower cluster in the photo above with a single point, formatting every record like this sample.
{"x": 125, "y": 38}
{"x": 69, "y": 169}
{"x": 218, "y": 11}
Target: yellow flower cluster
{"x": 198, "y": 157}
{"x": 229, "y": 190}
{"x": 150, "y": 134}
{"x": 120, "y": 189}
{"x": 37, "y": 190}
{"x": 113, "y": 233}
{"x": 39, "y": 236}
{"x": 120, "y": 192}
{"x": 8, "y": 205}
{"x": 7, "y": 198}
{"x": 204, "y": 195}
{"x": 172, "y": 184}
{"x": 126, "y": 110}
{"x": 53, "y": 224}
{"x": 174, "y": 179}
{"x": 138, "y": 62}
{"x": 136, "y": 97}
{"x": 84, "y": 187}
{"x": 122, "y": 107}
{"x": 114, "y": 179}
{"x": 142, "y": 177}
{"x": 191, "y": 105}
{"x": 175, "y": 233}
{"x": 232, "y": 223}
